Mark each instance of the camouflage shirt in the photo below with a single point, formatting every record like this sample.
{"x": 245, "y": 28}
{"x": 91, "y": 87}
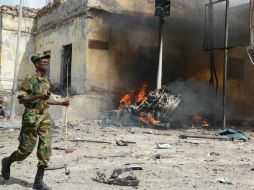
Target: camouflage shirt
{"x": 33, "y": 85}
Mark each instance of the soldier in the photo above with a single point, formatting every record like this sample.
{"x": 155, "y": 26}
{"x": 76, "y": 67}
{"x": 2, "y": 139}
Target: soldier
{"x": 36, "y": 121}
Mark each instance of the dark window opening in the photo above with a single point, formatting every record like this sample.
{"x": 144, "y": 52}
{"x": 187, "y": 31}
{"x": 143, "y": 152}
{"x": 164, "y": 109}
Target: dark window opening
{"x": 235, "y": 68}
{"x": 98, "y": 44}
{"x": 66, "y": 67}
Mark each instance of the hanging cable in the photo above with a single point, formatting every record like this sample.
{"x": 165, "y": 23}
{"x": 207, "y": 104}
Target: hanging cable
{"x": 206, "y": 34}
{"x": 213, "y": 81}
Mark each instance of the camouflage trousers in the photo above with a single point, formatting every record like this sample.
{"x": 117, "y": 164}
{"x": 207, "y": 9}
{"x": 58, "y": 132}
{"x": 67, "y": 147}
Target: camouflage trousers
{"x": 34, "y": 125}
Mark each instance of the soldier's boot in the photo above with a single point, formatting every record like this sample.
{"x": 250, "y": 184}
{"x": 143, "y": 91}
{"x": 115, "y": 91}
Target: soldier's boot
{"x": 6, "y": 168}
{"x": 38, "y": 182}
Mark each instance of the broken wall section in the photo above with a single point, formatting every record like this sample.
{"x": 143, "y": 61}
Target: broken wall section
{"x": 50, "y": 15}
{"x": 9, "y": 22}
{"x": 134, "y": 7}
{"x": 54, "y": 40}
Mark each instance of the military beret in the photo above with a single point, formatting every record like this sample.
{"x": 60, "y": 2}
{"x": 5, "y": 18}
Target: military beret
{"x": 36, "y": 57}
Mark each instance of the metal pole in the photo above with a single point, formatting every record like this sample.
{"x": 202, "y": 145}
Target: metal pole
{"x": 159, "y": 74}
{"x": 225, "y": 66}
{"x": 14, "y": 87}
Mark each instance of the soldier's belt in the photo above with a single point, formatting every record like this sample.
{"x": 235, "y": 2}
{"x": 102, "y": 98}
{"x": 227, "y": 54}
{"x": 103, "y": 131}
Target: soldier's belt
{"x": 37, "y": 111}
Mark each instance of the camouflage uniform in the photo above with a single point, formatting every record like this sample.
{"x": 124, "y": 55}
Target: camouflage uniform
{"x": 36, "y": 122}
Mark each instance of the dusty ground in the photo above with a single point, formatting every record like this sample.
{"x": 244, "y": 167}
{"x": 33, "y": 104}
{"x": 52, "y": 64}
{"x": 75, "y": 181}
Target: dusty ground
{"x": 185, "y": 166}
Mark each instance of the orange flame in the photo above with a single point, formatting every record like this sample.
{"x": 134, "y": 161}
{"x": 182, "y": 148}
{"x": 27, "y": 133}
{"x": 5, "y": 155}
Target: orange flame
{"x": 148, "y": 119}
{"x": 126, "y": 100}
{"x": 198, "y": 119}
{"x": 152, "y": 120}
{"x": 205, "y": 123}
{"x": 142, "y": 94}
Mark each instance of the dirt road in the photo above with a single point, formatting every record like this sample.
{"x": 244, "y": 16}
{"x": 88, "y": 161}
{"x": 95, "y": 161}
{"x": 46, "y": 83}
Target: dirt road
{"x": 188, "y": 164}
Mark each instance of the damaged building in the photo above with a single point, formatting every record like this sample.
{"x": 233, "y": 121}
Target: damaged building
{"x": 101, "y": 49}
{"x": 8, "y": 39}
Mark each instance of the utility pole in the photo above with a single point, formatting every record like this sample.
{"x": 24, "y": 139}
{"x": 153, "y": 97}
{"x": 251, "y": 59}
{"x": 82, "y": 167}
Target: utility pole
{"x": 159, "y": 73}
{"x": 15, "y": 78}
{"x": 225, "y": 66}
{"x": 162, "y": 9}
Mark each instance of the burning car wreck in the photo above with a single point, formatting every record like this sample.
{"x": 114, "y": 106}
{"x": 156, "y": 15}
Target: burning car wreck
{"x": 152, "y": 110}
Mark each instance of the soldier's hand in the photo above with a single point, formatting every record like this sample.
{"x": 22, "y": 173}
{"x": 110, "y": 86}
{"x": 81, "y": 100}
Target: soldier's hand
{"x": 65, "y": 102}
{"x": 42, "y": 96}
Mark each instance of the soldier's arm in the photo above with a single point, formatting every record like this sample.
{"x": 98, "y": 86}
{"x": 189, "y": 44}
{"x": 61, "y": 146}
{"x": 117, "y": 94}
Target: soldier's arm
{"x": 27, "y": 99}
{"x": 54, "y": 101}
{"x": 63, "y": 102}
{"x": 24, "y": 95}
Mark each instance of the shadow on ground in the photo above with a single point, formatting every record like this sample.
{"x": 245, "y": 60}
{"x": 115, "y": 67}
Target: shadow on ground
{"x": 17, "y": 181}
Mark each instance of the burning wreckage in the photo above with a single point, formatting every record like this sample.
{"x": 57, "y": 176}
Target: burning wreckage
{"x": 153, "y": 110}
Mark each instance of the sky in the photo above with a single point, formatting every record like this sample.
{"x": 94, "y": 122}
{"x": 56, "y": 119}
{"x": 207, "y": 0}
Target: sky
{"x": 41, "y": 3}
{"x": 235, "y": 2}
{"x": 28, "y": 3}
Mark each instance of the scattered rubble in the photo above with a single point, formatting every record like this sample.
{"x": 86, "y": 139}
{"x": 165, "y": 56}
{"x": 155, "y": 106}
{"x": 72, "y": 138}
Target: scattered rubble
{"x": 180, "y": 167}
{"x": 185, "y": 136}
{"x": 118, "y": 177}
{"x": 111, "y": 155}
{"x": 224, "y": 180}
{"x": 244, "y": 159}
{"x": 212, "y": 154}
{"x": 124, "y": 143}
{"x": 162, "y": 146}
{"x": 212, "y": 157}
{"x": 234, "y": 135}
